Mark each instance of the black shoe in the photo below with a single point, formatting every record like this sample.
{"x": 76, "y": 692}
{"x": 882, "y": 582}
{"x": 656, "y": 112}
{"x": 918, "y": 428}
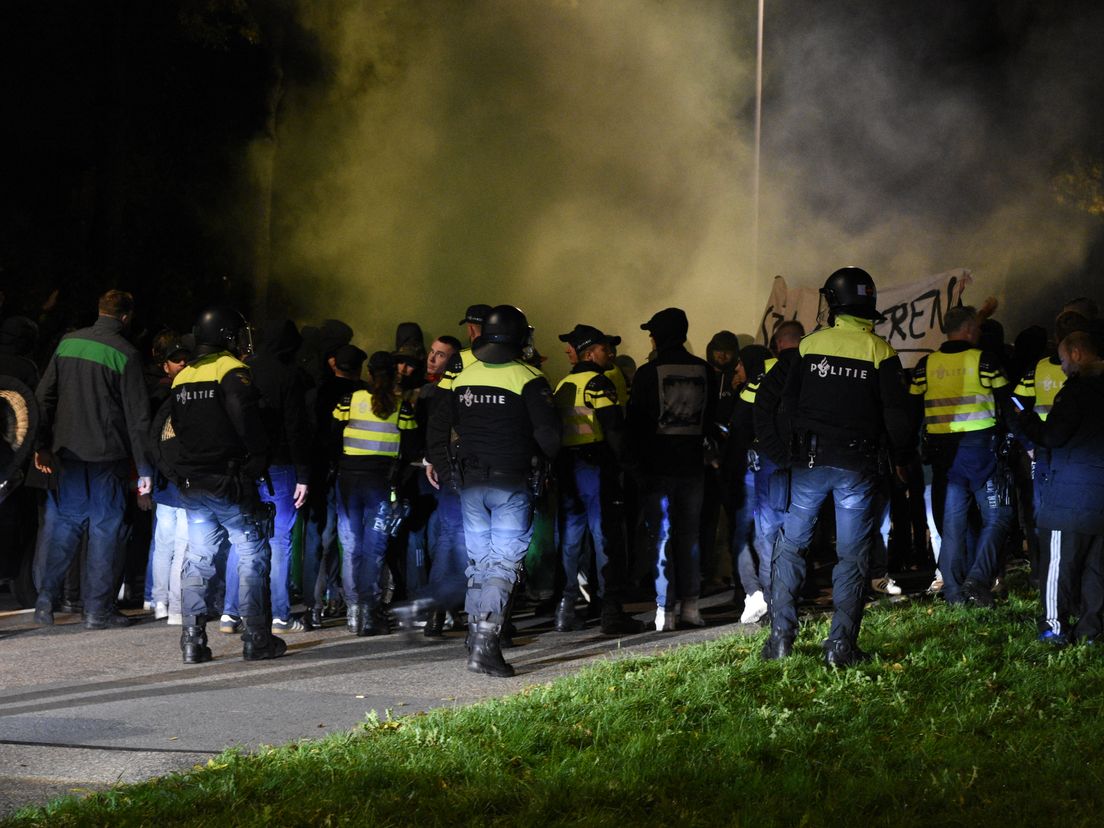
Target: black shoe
{"x": 566, "y": 618}
{"x": 506, "y": 634}
{"x": 355, "y": 617}
{"x": 312, "y": 618}
{"x": 105, "y": 620}
{"x": 73, "y": 605}
{"x": 412, "y": 613}
{"x": 258, "y": 642}
{"x": 486, "y": 655}
{"x": 843, "y": 654}
{"x": 335, "y": 608}
{"x": 435, "y": 625}
{"x": 977, "y": 594}
{"x": 616, "y": 621}
{"x": 777, "y": 646}
{"x": 193, "y": 640}
{"x": 44, "y": 615}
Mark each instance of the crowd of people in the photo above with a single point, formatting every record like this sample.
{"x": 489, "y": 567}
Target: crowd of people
{"x": 433, "y": 485}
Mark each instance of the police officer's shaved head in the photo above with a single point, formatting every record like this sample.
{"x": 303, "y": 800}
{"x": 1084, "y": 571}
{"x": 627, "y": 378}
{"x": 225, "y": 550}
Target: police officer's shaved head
{"x": 962, "y": 323}
{"x": 788, "y": 334}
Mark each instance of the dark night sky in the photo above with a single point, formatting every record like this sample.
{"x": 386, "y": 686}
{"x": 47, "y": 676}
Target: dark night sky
{"x": 127, "y": 124}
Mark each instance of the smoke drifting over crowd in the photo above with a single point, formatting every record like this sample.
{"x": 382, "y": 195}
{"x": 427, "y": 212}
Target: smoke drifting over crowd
{"x": 592, "y": 161}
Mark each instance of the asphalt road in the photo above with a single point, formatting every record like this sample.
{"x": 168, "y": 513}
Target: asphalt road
{"x": 82, "y": 710}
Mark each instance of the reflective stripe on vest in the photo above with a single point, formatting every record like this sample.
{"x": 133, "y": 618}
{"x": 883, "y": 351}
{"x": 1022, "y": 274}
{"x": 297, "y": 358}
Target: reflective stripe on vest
{"x": 580, "y": 420}
{"x": 365, "y": 433}
{"x": 1049, "y": 380}
{"x": 955, "y": 400}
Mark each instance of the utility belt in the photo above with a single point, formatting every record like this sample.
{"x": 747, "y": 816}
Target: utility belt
{"x": 535, "y": 479}
{"x": 236, "y": 487}
{"x": 820, "y": 450}
{"x": 596, "y": 454}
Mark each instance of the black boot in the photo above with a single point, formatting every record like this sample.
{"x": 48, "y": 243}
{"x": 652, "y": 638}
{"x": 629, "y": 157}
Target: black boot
{"x": 105, "y": 620}
{"x": 193, "y": 640}
{"x": 843, "y": 654}
{"x": 566, "y": 618}
{"x": 777, "y": 646}
{"x": 258, "y": 642}
{"x": 615, "y": 621}
{"x": 435, "y": 625}
{"x": 486, "y": 654}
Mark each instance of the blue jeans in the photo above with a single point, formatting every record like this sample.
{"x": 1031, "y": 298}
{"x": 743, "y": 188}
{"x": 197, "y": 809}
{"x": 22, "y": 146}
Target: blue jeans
{"x": 672, "y": 512}
{"x": 587, "y": 504}
{"x": 167, "y": 550}
{"x": 90, "y": 497}
{"x": 498, "y": 523}
{"x": 854, "y": 493}
{"x": 956, "y": 561}
{"x": 448, "y": 554}
{"x": 363, "y": 542}
{"x": 752, "y": 569}
{"x": 283, "y": 496}
{"x": 214, "y": 526}
{"x": 321, "y": 555}
{"x": 771, "y": 491}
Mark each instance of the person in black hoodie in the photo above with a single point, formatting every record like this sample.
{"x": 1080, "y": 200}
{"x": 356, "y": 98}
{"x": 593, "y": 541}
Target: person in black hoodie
{"x": 281, "y": 387}
{"x": 671, "y": 413}
{"x": 1071, "y": 497}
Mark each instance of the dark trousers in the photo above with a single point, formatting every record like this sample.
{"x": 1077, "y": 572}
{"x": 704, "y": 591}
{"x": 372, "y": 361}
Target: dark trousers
{"x": 589, "y": 503}
{"x": 1071, "y": 583}
{"x": 672, "y": 513}
{"x": 957, "y": 561}
{"x": 854, "y": 495}
{"x": 448, "y": 554}
{"x": 90, "y": 497}
{"x": 321, "y": 554}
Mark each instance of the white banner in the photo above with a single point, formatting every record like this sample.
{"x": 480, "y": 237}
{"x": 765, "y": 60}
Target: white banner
{"x": 913, "y": 312}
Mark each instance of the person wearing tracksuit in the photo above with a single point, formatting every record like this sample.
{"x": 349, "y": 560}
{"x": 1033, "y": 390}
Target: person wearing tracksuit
{"x": 840, "y": 401}
{"x": 1071, "y": 494}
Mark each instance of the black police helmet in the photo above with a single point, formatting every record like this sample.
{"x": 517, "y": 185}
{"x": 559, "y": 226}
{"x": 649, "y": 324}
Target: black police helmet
{"x": 222, "y": 327}
{"x": 851, "y": 290}
{"x": 505, "y": 334}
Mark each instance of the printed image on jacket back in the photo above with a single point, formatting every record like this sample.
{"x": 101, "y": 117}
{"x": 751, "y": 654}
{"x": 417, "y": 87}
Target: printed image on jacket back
{"x": 682, "y": 393}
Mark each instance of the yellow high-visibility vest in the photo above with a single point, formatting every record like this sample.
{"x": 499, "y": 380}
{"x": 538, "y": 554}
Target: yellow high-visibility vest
{"x": 578, "y": 407}
{"x": 366, "y": 434}
{"x": 1043, "y": 383}
{"x": 958, "y": 392}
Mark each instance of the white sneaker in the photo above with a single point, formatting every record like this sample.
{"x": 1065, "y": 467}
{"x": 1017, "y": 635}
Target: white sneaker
{"x": 176, "y": 619}
{"x": 160, "y": 610}
{"x": 936, "y": 584}
{"x": 147, "y": 605}
{"x": 690, "y": 614}
{"x": 886, "y": 586}
{"x": 755, "y": 607}
{"x": 665, "y": 620}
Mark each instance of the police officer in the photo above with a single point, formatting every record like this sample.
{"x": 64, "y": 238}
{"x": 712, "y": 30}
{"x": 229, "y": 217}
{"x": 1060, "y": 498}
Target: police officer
{"x": 964, "y": 389}
{"x": 587, "y": 473}
{"x": 222, "y": 451}
{"x": 508, "y": 430}
{"x": 473, "y": 321}
{"x": 373, "y": 422}
{"x": 842, "y": 396}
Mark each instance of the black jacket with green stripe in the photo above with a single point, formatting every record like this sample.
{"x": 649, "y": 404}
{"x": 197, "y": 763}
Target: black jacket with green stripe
{"x": 93, "y": 398}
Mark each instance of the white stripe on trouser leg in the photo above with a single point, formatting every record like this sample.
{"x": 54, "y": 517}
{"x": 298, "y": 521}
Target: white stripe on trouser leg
{"x": 1051, "y": 607}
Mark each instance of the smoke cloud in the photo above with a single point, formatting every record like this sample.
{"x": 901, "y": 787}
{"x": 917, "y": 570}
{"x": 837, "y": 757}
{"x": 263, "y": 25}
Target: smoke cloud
{"x": 592, "y": 161}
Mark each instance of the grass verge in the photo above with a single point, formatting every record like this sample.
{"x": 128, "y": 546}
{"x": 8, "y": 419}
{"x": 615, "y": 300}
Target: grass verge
{"x": 964, "y": 719}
